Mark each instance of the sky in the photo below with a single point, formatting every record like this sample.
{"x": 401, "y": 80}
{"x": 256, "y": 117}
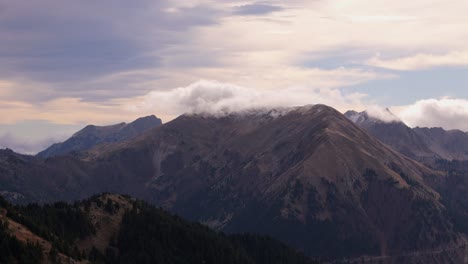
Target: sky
{"x": 65, "y": 64}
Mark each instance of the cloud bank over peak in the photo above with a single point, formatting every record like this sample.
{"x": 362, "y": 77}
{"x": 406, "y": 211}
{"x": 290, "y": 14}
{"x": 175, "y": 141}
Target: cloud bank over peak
{"x": 217, "y": 98}
{"x": 220, "y": 98}
{"x": 382, "y": 114}
{"x": 448, "y": 113}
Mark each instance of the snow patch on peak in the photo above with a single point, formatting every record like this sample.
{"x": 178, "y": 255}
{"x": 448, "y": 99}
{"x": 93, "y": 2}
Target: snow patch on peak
{"x": 373, "y": 115}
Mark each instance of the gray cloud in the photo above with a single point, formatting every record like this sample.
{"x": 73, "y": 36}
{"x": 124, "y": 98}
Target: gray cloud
{"x": 19, "y": 137}
{"x": 64, "y": 45}
{"x": 257, "y": 9}
{"x": 23, "y": 146}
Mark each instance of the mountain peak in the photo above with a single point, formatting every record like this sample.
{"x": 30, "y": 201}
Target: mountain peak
{"x": 142, "y": 123}
{"x": 150, "y": 118}
{"x": 93, "y": 135}
{"x": 369, "y": 117}
{"x": 263, "y": 112}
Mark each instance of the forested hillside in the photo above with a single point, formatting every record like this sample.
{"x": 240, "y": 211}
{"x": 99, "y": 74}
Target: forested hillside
{"x": 119, "y": 229}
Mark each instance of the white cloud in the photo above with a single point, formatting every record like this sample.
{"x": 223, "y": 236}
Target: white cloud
{"x": 217, "y": 98}
{"x": 421, "y": 61}
{"x": 383, "y": 114}
{"x": 448, "y": 113}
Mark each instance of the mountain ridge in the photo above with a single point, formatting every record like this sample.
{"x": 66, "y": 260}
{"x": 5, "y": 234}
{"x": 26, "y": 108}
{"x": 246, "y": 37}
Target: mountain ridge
{"x": 92, "y": 135}
{"x": 423, "y": 144}
{"x": 304, "y": 176}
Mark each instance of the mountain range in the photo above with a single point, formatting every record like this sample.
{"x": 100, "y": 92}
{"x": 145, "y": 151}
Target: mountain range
{"x": 423, "y": 144}
{"x": 307, "y": 176}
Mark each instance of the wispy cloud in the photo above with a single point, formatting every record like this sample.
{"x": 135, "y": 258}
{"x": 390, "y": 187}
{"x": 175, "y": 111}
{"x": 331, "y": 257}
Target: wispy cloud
{"x": 421, "y": 61}
{"x": 256, "y": 9}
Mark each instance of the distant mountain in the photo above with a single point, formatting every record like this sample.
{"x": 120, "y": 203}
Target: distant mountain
{"x": 423, "y": 144}
{"x": 91, "y": 136}
{"x": 363, "y": 119}
{"x": 394, "y": 134}
{"x": 449, "y": 145}
{"x": 119, "y": 229}
{"x": 306, "y": 176}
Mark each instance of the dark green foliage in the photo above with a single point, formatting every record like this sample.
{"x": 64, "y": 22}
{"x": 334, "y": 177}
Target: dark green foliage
{"x": 298, "y": 190}
{"x": 61, "y": 224}
{"x": 3, "y": 203}
{"x": 147, "y": 235}
{"x": 14, "y": 251}
{"x": 263, "y": 249}
{"x": 53, "y": 254}
{"x": 170, "y": 239}
{"x": 410, "y": 181}
{"x": 370, "y": 175}
{"x": 111, "y": 207}
{"x": 96, "y": 257}
{"x": 150, "y": 235}
{"x": 313, "y": 203}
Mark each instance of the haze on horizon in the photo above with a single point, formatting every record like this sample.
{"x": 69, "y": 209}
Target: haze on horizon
{"x": 67, "y": 64}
